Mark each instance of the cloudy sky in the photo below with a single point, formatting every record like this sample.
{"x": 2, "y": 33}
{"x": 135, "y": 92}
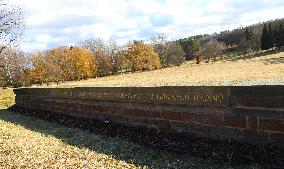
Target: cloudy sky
{"x": 51, "y": 23}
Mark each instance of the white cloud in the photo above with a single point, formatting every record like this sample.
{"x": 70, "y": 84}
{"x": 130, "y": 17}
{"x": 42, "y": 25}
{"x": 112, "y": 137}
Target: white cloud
{"x": 50, "y": 23}
{"x": 43, "y": 38}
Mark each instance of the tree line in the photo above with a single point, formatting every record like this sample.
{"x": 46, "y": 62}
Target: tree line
{"x": 95, "y": 58}
{"x": 272, "y": 36}
{"x": 243, "y": 40}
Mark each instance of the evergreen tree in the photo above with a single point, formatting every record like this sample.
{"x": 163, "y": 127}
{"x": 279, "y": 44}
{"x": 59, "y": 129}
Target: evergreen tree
{"x": 250, "y": 40}
{"x": 276, "y": 37}
{"x": 248, "y": 34}
{"x": 279, "y": 36}
{"x": 265, "y": 38}
{"x": 270, "y": 39}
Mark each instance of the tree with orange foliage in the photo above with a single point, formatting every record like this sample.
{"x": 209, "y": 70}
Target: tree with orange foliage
{"x": 58, "y": 64}
{"x": 83, "y": 64}
{"x": 38, "y": 74}
{"x": 61, "y": 64}
{"x": 198, "y": 56}
{"x": 141, "y": 56}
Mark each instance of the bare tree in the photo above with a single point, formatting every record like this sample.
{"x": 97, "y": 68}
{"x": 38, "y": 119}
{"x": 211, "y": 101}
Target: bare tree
{"x": 212, "y": 49}
{"x": 170, "y": 53}
{"x": 108, "y": 55}
{"x": 114, "y": 52}
{"x": 11, "y": 28}
{"x": 11, "y": 24}
{"x": 13, "y": 70}
{"x": 93, "y": 45}
{"x": 159, "y": 41}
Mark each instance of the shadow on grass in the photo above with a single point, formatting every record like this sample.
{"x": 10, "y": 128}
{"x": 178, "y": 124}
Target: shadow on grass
{"x": 157, "y": 151}
{"x": 107, "y": 143}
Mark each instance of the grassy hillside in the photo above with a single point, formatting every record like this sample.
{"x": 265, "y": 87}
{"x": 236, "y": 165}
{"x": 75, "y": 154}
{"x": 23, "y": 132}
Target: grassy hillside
{"x": 250, "y": 70}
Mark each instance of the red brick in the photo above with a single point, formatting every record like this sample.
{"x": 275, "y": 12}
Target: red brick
{"x": 188, "y": 117}
{"x": 116, "y": 110}
{"x": 103, "y": 109}
{"x": 82, "y": 107}
{"x": 171, "y": 115}
{"x": 203, "y": 118}
{"x": 234, "y": 120}
{"x": 153, "y": 114}
{"x": 135, "y": 112}
{"x": 70, "y": 106}
{"x": 272, "y": 124}
{"x": 93, "y": 113}
{"x": 91, "y": 107}
{"x": 214, "y": 119}
{"x": 251, "y": 122}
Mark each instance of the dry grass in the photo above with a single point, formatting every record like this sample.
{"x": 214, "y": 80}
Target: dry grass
{"x": 21, "y": 147}
{"x": 7, "y": 97}
{"x": 26, "y": 142}
{"x": 269, "y": 68}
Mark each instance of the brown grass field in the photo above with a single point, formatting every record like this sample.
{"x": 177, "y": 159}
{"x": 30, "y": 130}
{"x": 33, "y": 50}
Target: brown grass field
{"x": 267, "y": 69}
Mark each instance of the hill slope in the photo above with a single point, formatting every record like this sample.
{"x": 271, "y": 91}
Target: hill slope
{"x": 254, "y": 71}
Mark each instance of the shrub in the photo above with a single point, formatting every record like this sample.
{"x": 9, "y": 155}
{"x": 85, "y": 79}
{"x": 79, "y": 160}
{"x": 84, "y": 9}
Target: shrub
{"x": 211, "y": 49}
{"x": 173, "y": 54}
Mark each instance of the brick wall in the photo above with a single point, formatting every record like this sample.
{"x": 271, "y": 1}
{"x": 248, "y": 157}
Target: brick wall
{"x": 253, "y": 114}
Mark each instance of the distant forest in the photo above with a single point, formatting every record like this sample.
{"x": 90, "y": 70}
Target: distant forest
{"x": 260, "y": 36}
